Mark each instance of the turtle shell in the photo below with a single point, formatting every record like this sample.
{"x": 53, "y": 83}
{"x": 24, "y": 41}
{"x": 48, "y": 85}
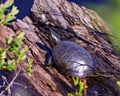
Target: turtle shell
{"x": 72, "y": 59}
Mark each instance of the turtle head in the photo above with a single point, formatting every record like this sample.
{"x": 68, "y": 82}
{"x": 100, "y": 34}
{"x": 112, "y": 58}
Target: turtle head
{"x": 54, "y": 37}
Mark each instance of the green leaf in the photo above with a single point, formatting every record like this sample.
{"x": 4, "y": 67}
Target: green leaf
{"x": 4, "y": 19}
{"x": 11, "y": 65}
{"x": 70, "y": 94}
{"x": 22, "y": 51}
{"x": 30, "y": 63}
{"x": 1, "y": 15}
{"x": 14, "y": 11}
{"x": 20, "y": 36}
{"x": 11, "y": 49}
{"x": 10, "y": 16}
{"x": 17, "y": 43}
{"x": 7, "y": 4}
{"x": 2, "y": 63}
{"x": 21, "y": 57}
{"x": 118, "y": 83}
{"x": 1, "y": 50}
{"x": 3, "y": 55}
{"x": 75, "y": 80}
{"x": 78, "y": 94}
{"x": 9, "y": 40}
{"x": 29, "y": 72}
{"x": 11, "y": 61}
{"x": 29, "y": 66}
{"x": 80, "y": 87}
{"x": 18, "y": 40}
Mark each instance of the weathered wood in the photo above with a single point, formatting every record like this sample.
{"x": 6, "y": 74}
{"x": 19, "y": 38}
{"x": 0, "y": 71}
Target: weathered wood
{"x": 73, "y": 23}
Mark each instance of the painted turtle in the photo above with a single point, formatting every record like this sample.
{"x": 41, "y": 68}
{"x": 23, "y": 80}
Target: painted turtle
{"x": 71, "y": 59}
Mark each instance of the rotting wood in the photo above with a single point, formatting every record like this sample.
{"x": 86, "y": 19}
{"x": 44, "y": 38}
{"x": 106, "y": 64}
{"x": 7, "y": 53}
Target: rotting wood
{"x": 73, "y": 23}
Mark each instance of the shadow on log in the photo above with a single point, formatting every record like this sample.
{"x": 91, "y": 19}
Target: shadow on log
{"x": 73, "y": 23}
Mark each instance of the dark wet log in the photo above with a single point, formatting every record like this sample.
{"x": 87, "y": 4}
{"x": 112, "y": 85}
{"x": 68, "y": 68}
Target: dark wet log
{"x": 74, "y": 23}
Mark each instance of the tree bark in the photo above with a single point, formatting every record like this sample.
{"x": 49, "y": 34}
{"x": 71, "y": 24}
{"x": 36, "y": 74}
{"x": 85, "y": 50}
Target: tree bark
{"x": 73, "y": 23}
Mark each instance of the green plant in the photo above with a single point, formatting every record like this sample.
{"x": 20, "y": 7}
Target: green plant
{"x": 70, "y": 94}
{"x": 6, "y": 15}
{"x": 80, "y": 86}
{"x": 118, "y": 83}
{"x": 14, "y": 53}
{"x": 29, "y": 66}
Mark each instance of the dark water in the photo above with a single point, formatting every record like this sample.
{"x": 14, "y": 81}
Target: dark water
{"x": 24, "y": 7}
